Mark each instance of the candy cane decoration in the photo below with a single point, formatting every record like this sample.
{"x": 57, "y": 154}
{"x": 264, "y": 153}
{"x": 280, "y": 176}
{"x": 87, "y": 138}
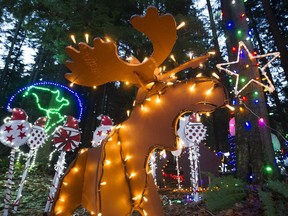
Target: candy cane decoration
{"x": 178, "y": 173}
{"x": 193, "y": 157}
{"x": 13, "y": 133}
{"x": 59, "y": 167}
{"x": 192, "y": 132}
{"x": 19, "y": 194}
{"x": 9, "y": 182}
{"x": 65, "y": 138}
{"x": 37, "y": 139}
{"x": 176, "y": 154}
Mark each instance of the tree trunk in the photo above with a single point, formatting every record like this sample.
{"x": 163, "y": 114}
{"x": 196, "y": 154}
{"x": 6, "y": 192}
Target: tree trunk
{"x": 37, "y": 65}
{"x": 254, "y": 148}
{"x": 279, "y": 39}
{"x": 220, "y": 116}
{"x": 214, "y": 32}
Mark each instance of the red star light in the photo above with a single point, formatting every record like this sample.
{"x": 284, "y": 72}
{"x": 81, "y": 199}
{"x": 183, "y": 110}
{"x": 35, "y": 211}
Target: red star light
{"x": 268, "y": 87}
{"x": 99, "y": 133}
{"x": 8, "y": 128}
{"x": 22, "y": 135}
{"x": 20, "y": 127}
{"x": 10, "y": 138}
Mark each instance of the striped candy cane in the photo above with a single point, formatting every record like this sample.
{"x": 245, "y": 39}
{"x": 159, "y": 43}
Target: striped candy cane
{"x": 59, "y": 167}
{"x": 9, "y": 182}
{"x": 19, "y": 194}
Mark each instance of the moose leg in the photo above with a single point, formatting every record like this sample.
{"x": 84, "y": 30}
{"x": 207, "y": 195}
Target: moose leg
{"x": 65, "y": 202}
{"x": 73, "y": 188}
{"x": 151, "y": 204}
{"x": 114, "y": 194}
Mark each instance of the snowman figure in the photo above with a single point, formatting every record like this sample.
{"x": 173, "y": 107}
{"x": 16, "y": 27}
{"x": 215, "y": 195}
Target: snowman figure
{"x": 16, "y": 130}
{"x": 103, "y": 130}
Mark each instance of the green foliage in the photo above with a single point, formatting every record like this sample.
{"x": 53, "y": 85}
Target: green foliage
{"x": 278, "y": 187}
{"x": 34, "y": 194}
{"x": 267, "y": 203}
{"x": 274, "y": 198}
{"x": 224, "y": 192}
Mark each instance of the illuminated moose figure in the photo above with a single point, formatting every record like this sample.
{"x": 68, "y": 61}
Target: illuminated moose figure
{"x": 114, "y": 178}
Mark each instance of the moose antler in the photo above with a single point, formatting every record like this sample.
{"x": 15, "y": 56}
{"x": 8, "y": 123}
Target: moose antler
{"x": 93, "y": 66}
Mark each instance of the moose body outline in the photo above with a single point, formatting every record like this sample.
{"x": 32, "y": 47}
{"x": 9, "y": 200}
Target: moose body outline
{"x": 114, "y": 178}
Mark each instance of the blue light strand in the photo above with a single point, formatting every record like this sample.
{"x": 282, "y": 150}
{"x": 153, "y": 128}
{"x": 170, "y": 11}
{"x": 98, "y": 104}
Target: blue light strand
{"x": 80, "y": 105}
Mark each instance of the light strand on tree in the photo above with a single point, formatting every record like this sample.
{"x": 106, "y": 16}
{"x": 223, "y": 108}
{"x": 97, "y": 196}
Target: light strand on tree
{"x": 262, "y": 122}
{"x": 268, "y": 87}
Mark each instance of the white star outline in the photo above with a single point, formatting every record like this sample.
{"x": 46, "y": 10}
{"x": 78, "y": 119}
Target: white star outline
{"x": 268, "y": 87}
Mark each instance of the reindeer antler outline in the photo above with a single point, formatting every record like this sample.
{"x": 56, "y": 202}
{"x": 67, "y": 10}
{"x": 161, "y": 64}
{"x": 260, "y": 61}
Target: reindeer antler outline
{"x": 93, "y": 66}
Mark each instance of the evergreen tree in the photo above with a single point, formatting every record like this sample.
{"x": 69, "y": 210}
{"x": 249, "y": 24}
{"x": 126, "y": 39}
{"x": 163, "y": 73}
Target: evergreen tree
{"x": 253, "y": 142}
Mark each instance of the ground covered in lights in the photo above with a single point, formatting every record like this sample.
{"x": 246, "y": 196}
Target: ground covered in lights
{"x": 175, "y": 203}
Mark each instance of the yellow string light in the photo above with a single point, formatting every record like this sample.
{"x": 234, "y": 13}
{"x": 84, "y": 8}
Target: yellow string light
{"x": 192, "y": 88}
{"x": 87, "y": 38}
{"x": 73, "y": 38}
{"x": 173, "y": 58}
{"x": 215, "y": 75}
{"x": 230, "y": 107}
{"x": 182, "y": 24}
{"x": 209, "y": 91}
{"x": 158, "y": 100}
{"x": 132, "y": 175}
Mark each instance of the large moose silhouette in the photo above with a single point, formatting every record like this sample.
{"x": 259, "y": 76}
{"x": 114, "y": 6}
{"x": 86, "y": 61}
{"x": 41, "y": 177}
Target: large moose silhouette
{"x": 114, "y": 178}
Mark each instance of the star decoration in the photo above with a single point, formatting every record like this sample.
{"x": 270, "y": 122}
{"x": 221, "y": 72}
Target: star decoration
{"x": 8, "y": 128}
{"x": 99, "y": 133}
{"x": 20, "y": 127}
{"x": 268, "y": 87}
{"x": 22, "y": 135}
{"x": 10, "y": 138}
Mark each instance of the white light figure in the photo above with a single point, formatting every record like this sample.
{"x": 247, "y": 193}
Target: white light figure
{"x": 192, "y": 132}
{"x": 36, "y": 139}
{"x": 65, "y": 138}
{"x": 153, "y": 166}
{"x": 176, "y": 154}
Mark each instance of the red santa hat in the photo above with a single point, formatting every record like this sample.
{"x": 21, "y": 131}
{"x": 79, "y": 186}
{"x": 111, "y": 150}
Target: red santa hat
{"x": 18, "y": 114}
{"x": 41, "y": 121}
{"x": 71, "y": 122}
{"x": 106, "y": 120}
{"x": 193, "y": 118}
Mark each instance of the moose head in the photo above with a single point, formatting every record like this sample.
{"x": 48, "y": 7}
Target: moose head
{"x": 114, "y": 178}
